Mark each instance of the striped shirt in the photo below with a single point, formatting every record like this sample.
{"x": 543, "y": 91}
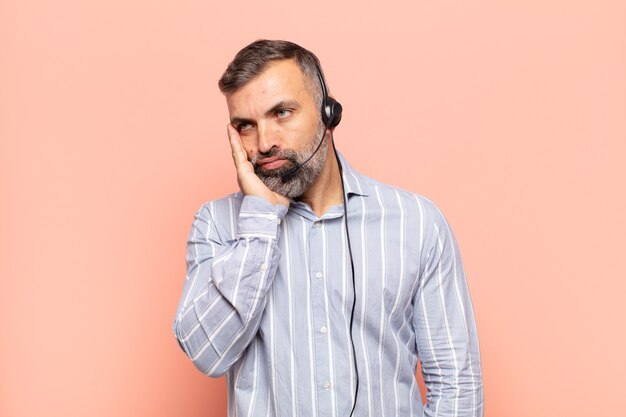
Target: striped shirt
{"x": 268, "y": 296}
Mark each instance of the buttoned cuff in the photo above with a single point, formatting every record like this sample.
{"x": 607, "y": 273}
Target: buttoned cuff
{"x": 259, "y": 218}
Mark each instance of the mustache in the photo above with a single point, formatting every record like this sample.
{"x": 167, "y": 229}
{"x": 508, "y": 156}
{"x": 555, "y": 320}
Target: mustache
{"x": 286, "y": 154}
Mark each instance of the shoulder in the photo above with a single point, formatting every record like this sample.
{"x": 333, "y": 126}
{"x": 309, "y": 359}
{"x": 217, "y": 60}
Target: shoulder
{"x": 411, "y": 202}
{"x": 221, "y": 210}
{"x": 223, "y": 204}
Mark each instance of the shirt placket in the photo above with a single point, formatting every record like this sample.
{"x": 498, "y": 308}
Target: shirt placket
{"x": 321, "y": 326}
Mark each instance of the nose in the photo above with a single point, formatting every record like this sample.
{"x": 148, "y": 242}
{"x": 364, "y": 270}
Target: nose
{"x": 268, "y": 137}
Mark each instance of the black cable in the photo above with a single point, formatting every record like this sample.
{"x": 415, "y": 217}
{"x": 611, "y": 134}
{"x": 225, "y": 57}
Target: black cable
{"x": 345, "y": 209}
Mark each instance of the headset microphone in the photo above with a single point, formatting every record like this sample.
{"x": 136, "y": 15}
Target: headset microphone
{"x": 331, "y": 116}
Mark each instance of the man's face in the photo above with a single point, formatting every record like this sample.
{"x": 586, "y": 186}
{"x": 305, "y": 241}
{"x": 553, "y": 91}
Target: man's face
{"x": 280, "y": 127}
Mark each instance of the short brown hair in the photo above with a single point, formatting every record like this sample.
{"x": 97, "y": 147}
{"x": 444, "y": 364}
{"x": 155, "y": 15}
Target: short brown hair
{"x": 253, "y": 59}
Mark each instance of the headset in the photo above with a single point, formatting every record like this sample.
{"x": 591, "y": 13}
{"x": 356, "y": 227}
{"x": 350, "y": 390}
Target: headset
{"x": 331, "y": 111}
{"x": 331, "y": 108}
{"x": 331, "y": 116}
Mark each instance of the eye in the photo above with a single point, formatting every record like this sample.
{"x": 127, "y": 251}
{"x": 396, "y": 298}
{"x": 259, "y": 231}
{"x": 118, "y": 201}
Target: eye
{"x": 282, "y": 113}
{"x": 242, "y": 127}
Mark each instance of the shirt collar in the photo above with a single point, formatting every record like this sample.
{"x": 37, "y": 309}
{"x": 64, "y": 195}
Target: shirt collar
{"x": 354, "y": 182}
{"x": 355, "y": 185}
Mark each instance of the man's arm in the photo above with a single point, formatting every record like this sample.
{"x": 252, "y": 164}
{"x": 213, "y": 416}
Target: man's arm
{"x": 445, "y": 328}
{"x": 227, "y": 282}
{"x": 226, "y": 285}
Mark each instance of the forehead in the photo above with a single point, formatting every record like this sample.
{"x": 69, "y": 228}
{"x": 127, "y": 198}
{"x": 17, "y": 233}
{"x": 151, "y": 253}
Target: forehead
{"x": 280, "y": 81}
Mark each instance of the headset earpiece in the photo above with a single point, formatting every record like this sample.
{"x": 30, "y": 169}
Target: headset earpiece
{"x": 331, "y": 108}
{"x": 331, "y": 112}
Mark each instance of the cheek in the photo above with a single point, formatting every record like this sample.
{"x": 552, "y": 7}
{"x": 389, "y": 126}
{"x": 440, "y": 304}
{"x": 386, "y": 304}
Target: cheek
{"x": 304, "y": 130}
{"x": 314, "y": 124}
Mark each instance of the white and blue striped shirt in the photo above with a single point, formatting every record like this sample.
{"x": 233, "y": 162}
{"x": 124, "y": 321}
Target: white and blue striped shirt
{"x": 268, "y": 297}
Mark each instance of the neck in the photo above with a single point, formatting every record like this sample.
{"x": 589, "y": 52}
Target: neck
{"x": 326, "y": 191}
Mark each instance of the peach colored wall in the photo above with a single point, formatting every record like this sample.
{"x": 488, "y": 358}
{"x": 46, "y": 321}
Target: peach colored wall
{"x": 510, "y": 115}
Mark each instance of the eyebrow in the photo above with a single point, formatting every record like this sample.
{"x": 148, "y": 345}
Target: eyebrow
{"x": 289, "y": 104}
{"x": 237, "y": 121}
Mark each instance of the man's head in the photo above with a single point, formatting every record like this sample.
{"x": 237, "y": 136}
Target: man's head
{"x": 254, "y": 59}
{"x": 274, "y": 97}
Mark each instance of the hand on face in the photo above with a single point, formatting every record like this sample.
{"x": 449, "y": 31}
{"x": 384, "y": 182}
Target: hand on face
{"x": 249, "y": 182}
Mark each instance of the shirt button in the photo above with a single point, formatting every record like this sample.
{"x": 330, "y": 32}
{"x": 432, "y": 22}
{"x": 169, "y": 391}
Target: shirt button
{"x": 271, "y": 217}
{"x": 317, "y": 225}
{"x": 318, "y": 275}
{"x": 326, "y": 385}
{"x": 263, "y": 267}
{"x": 323, "y": 329}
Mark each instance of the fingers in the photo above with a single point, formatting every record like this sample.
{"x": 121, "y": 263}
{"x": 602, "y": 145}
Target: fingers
{"x": 239, "y": 154}
{"x": 245, "y": 172}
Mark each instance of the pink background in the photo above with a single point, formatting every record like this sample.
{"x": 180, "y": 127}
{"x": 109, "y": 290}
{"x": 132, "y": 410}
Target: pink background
{"x": 509, "y": 115}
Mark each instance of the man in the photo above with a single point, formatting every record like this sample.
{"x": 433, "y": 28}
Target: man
{"x": 307, "y": 310}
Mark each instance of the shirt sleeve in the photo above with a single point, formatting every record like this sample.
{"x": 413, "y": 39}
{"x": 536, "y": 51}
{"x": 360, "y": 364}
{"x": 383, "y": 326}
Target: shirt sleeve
{"x": 226, "y": 285}
{"x": 445, "y": 329}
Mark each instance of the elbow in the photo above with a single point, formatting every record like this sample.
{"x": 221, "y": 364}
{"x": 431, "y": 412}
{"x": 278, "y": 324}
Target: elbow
{"x": 180, "y": 338}
{"x": 213, "y": 372}
{"x": 203, "y": 356}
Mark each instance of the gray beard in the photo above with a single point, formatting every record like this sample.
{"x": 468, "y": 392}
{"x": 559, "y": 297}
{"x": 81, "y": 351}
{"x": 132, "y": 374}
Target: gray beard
{"x": 303, "y": 178}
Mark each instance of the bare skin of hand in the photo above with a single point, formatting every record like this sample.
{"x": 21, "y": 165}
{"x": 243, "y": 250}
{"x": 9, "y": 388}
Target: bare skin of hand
{"x": 249, "y": 182}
